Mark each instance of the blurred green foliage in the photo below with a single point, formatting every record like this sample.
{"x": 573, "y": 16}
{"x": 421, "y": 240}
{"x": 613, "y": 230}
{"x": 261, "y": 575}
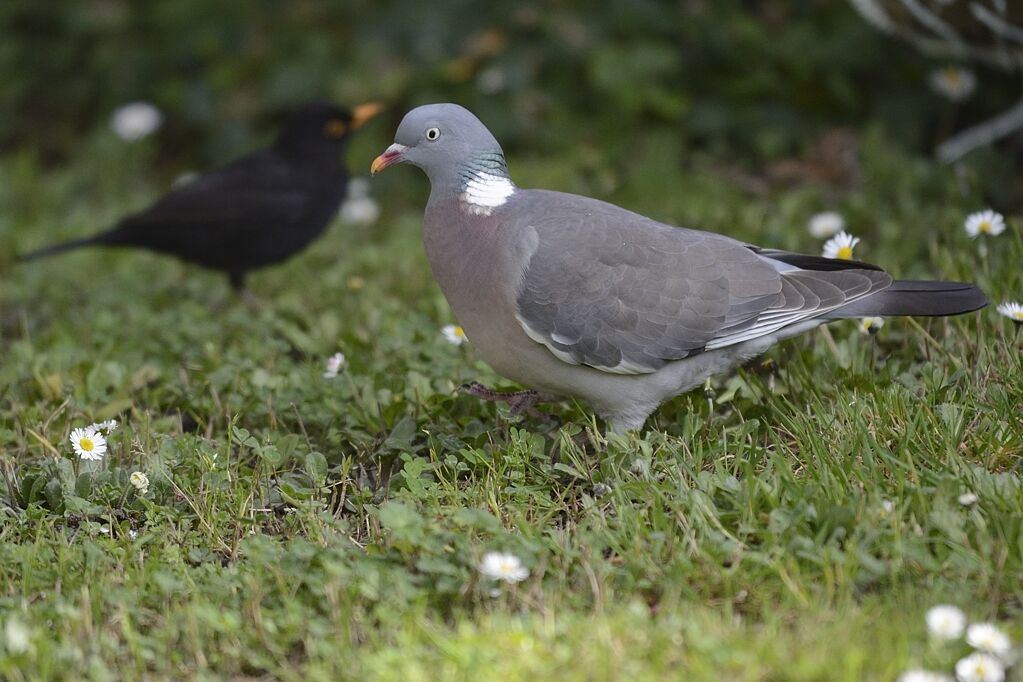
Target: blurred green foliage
{"x": 753, "y": 79}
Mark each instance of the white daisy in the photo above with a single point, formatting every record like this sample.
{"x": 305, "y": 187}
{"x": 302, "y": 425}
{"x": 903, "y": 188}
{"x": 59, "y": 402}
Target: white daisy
{"x": 841, "y": 246}
{"x": 953, "y": 82}
{"x": 140, "y": 482}
{"x": 17, "y": 636}
{"x": 871, "y": 325}
{"x": 359, "y": 208}
{"x": 923, "y": 676}
{"x": 945, "y": 622}
{"x": 334, "y": 364}
{"x": 987, "y": 637}
{"x": 980, "y": 667}
{"x": 984, "y": 222}
{"x": 500, "y": 566}
{"x": 1012, "y": 310}
{"x": 968, "y": 499}
{"x": 105, "y": 426}
{"x": 826, "y": 224}
{"x": 88, "y": 443}
{"x": 454, "y": 334}
{"x": 135, "y": 121}
{"x": 491, "y": 80}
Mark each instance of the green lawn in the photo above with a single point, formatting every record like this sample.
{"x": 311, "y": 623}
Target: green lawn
{"x": 792, "y": 523}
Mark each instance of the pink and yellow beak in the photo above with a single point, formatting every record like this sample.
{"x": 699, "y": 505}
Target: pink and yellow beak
{"x": 392, "y": 155}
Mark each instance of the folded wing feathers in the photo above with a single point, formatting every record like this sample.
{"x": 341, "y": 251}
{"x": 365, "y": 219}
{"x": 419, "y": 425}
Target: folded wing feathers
{"x": 806, "y": 294}
{"x": 633, "y": 305}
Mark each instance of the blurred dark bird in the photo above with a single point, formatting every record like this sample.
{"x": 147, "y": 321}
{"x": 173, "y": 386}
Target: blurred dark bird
{"x": 256, "y": 211}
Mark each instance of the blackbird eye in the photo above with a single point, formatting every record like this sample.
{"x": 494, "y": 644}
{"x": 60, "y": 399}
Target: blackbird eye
{"x": 432, "y": 134}
{"x": 335, "y": 128}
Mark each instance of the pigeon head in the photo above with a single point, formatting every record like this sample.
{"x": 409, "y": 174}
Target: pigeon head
{"x": 318, "y": 128}
{"x": 448, "y": 143}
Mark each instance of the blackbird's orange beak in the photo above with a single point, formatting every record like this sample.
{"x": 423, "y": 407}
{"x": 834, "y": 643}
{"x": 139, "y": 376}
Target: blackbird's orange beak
{"x": 392, "y": 155}
{"x": 364, "y": 112}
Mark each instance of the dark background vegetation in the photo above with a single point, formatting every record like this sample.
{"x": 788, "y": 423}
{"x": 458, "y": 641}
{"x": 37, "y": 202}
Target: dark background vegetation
{"x": 750, "y": 81}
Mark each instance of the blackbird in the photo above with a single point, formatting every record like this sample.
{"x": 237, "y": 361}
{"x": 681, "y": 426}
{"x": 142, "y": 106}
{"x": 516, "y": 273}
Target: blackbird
{"x": 258, "y": 210}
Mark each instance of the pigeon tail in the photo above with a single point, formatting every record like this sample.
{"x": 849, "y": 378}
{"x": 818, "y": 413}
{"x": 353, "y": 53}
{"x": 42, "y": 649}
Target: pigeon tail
{"x": 916, "y": 298}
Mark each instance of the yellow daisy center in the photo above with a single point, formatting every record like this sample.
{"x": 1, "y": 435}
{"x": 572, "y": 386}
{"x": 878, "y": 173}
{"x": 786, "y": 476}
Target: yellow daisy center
{"x": 952, "y": 77}
{"x": 1017, "y": 315}
{"x": 459, "y": 332}
{"x": 984, "y": 226}
{"x": 87, "y": 444}
{"x": 844, "y": 252}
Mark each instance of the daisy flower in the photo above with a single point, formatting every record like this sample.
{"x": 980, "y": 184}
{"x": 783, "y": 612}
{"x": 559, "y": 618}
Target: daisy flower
{"x": 359, "y": 208}
{"x": 826, "y": 224}
{"x": 500, "y": 566}
{"x": 135, "y": 121}
{"x": 953, "y": 82}
{"x": 871, "y": 325}
{"x": 980, "y": 667}
{"x": 987, "y": 637}
{"x": 105, "y": 426}
{"x": 984, "y": 222}
{"x": 17, "y": 636}
{"x": 139, "y": 481}
{"x": 945, "y": 622}
{"x": 454, "y": 334}
{"x": 491, "y": 80}
{"x": 1012, "y": 310}
{"x": 968, "y": 499}
{"x": 334, "y": 364}
{"x": 923, "y": 676}
{"x": 841, "y": 246}
{"x": 88, "y": 443}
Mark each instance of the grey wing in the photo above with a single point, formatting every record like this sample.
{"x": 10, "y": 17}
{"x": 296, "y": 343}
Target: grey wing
{"x": 624, "y": 294}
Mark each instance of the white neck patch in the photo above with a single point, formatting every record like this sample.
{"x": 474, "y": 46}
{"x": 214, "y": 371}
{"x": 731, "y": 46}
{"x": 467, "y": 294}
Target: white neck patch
{"x": 484, "y": 192}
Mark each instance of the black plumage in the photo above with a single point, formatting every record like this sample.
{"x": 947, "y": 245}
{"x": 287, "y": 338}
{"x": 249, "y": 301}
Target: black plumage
{"x": 256, "y": 211}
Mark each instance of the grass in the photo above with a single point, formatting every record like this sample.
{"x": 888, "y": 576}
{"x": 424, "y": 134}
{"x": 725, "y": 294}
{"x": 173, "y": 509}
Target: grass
{"x": 793, "y": 522}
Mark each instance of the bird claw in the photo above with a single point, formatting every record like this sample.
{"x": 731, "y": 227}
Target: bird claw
{"x": 520, "y": 402}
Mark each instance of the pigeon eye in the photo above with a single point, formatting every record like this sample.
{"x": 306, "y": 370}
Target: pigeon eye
{"x": 432, "y": 134}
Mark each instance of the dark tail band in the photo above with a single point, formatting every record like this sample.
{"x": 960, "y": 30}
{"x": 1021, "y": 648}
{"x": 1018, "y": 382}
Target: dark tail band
{"x": 923, "y": 298}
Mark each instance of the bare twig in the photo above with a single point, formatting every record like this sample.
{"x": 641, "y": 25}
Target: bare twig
{"x": 982, "y": 134}
{"x": 997, "y": 24}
